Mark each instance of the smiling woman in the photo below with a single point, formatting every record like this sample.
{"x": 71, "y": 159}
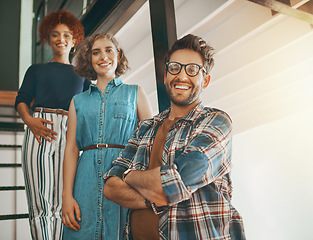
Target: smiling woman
{"x": 101, "y": 120}
{"x": 61, "y": 42}
{"x": 61, "y": 17}
{"x": 104, "y": 58}
{"x": 52, "y": 86}
{"x": 62, "y": 31}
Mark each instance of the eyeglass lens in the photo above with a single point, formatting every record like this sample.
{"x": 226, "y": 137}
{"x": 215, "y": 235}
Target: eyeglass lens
{"x": 190, "y": 69}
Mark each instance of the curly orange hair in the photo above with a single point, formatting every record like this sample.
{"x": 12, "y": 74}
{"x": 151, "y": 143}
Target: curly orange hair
{"x": 61, "y": 16}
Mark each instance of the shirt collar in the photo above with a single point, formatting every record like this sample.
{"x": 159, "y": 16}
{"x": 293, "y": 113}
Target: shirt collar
{"x": 115, "y": 81}
{"x": 90, "y": 87}
{"x": 194, "y": 113}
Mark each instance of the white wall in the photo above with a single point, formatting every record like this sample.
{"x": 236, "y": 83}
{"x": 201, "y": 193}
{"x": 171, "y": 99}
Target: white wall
{"x": 272, "y": 175}
{"x": 25, "y": 55}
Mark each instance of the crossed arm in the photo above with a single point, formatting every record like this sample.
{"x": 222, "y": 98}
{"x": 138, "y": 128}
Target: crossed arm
{"x": 148, "y": 184}
{"x": 204, "y": 159}
{"x": 138, "y": 186}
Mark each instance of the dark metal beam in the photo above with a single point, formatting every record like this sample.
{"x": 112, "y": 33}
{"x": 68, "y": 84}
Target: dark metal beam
{"x": 109, "y": 15}
{"x": 98, "y": 12}
{"x": 163, "y": 26}
{"x": 285, "y": 9}
{"x": 120, "y": 16}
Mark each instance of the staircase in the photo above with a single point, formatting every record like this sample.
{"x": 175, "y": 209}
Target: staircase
{"x": 13, "y": 204}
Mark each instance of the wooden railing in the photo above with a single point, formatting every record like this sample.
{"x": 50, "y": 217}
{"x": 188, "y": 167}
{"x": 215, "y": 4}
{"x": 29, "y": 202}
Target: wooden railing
{"x": 7, "y": 98}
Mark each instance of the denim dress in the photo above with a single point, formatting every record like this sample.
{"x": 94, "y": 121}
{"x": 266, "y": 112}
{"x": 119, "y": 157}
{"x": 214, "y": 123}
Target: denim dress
{"x": 108, "y": 118}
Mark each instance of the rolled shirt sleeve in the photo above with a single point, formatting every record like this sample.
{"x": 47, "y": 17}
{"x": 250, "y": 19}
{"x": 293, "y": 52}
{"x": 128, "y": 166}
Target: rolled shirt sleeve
{"x": 205, "y": 158}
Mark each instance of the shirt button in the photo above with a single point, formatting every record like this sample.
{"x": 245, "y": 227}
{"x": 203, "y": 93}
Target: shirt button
{"x": 106, "y": 91}
{"x": 100, "y": 219}
{"x": 100, "y": 204}
{"x": 100, "y": 189}
{"x": 101, "y": 123}
{"x": 99, "y": 161}
{"x": 102, "y": 101}
{"x": 100, "y": 135}
{"x": 102, "y": 110}
{"x": 100, "y": 175}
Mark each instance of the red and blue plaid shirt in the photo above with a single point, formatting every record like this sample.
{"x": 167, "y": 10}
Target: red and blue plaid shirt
{"x": 195, "y": 169}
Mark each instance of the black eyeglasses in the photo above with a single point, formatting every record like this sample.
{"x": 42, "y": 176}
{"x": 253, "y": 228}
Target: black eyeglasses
{"x": 191, "y": 69}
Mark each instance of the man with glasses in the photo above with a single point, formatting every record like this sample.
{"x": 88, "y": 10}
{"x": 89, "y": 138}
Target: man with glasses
{"x": 174, "y": 173}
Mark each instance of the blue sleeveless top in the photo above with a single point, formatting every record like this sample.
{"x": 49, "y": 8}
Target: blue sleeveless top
{"x": 107, "y": 118}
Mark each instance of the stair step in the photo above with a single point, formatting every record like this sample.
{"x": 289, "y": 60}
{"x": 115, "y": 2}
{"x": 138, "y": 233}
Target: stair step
{"x": 13, "y": 216}
{"x": 12, "y": 127}
{"x": 10, "y": 146}
{"x": 9, "y": 116}
{"x": 3, "y": 165}
{"x": 12, "y": 188}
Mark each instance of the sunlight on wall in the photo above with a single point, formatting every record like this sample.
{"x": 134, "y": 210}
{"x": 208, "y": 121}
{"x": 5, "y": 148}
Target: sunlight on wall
{"x": 25, "y": 37}
{"x": 272, "y": 175}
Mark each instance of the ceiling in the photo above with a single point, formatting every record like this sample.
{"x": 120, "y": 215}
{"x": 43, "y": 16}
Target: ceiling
{"x": 263, "y": 62}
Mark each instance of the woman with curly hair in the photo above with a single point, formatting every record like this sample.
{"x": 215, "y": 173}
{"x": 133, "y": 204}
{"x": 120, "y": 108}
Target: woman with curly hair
{"x": 101, "y": 120}
{"x": 50, "y": 87}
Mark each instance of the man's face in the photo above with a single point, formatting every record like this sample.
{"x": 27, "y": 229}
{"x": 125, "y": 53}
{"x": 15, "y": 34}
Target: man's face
{"x": 182, "y": 89}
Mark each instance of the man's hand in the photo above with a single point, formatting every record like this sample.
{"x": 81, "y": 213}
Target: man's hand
{"x": 36, "y": 125}
{"x": 69, "y": 207}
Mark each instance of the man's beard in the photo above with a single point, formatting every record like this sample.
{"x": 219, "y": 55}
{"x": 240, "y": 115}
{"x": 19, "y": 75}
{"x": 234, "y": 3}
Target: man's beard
{"x": 195, "y": 93}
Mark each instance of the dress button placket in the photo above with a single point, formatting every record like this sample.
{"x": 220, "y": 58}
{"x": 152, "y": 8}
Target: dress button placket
{"x": 102, "y": 140}
{"x": 100, "y": 153}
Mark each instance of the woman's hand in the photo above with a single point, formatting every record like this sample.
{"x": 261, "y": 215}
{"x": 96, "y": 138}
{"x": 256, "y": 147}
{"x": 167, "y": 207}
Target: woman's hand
{"x": 69, "y": 207}
{"x": 36, "y": 125}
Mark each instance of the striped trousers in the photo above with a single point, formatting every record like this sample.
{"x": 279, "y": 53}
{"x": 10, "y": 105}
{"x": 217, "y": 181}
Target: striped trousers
{"x": 43, "y": 172}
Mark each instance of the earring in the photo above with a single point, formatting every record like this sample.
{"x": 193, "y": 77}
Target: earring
{"x": 73, "y": 50}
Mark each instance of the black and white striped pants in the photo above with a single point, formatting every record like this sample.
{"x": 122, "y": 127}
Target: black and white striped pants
{"x": 43, "y": 171}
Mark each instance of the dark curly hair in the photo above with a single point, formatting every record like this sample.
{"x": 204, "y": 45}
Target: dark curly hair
{"x": 196, "y": 44}
{"x": 82, "y": 59}
{"x": 61, "y": 16}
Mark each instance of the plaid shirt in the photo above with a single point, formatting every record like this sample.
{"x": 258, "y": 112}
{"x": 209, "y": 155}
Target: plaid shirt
{"x": 195, "y": 169}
